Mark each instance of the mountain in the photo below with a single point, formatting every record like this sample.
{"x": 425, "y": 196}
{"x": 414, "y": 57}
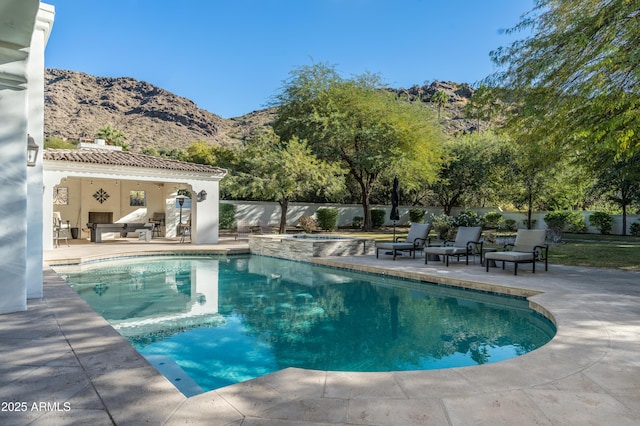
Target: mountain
{"x": 78, "y": 104}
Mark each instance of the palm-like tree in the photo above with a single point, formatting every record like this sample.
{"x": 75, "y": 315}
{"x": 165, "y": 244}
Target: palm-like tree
{"x": 112, "y": 135}
{"x": 440, "y": 98}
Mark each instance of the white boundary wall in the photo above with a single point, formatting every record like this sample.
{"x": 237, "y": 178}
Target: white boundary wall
{"x": 263, "y": 213}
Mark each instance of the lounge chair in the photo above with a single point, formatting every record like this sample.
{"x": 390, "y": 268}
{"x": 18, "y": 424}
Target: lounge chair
{"x": 467, "y": 243}
{"x": 416, "y": 239}
{"x": 529, "y": 247}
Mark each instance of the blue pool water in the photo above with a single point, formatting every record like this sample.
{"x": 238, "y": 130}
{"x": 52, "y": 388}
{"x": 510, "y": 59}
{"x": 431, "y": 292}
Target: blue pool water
{"x": 226, "y": 320}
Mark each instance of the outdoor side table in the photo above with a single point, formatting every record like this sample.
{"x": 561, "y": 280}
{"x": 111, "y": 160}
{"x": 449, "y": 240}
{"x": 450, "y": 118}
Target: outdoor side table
{"x": 433, "y": 257}
{"x": 488, "y": 250}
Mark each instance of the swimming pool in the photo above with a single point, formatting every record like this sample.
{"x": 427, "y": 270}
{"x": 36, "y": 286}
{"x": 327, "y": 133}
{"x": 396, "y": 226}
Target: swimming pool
{"x": 223, "y": 320}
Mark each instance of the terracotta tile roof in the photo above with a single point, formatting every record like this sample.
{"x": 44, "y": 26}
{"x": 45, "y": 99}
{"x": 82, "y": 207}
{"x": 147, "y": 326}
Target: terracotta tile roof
{"x": 121, "y": 158}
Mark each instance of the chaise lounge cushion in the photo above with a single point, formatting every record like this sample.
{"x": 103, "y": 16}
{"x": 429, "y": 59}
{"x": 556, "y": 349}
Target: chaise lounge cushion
{"x": 416, "y": 238}
{"x": 467, "y": 239}
{"x": 527, "y": 248}
{"x": 510, "y": 256}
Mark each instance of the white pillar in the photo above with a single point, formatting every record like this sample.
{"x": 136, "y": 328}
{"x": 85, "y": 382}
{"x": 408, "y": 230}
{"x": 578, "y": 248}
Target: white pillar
{"x": 205, "y": 214}
{"x": 13, "y": 193}
{"x": 35, "y": 125}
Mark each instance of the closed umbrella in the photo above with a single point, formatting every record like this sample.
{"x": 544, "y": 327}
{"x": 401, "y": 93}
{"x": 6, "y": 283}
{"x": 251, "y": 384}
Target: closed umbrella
{"x": 395, "y": 202}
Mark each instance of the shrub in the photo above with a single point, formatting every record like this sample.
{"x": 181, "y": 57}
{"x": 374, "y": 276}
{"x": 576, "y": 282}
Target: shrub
{"x": 377, "y": 217}
{"x": 635, "y": 229}
{"x": 327, "y": 219}
{"x": 227, "y": 216}
{"x": 357, "y": 222}
{"x": 556, "y": 221}
{"x": 509, "y": 225}
{"x": 442, "y": 225}
{"x": 492, "y": 220}
{"x": 575, "y": 223}
{"x": 416, "y": 215}
{"x": 308, "y": 223}
{"x": 467, "y": 218}
{"x": 601, "y": 220}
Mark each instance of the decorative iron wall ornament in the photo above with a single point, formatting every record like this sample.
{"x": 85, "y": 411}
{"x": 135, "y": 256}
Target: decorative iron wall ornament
{"x": 201, "y": 196}
{"x": 101, "y": 195}
{"x": 61, "y": 195}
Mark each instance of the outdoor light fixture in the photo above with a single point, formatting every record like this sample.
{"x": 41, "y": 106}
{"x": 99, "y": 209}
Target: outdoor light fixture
{"x": 32, "y": 151}
{"x": 180, "y": 199}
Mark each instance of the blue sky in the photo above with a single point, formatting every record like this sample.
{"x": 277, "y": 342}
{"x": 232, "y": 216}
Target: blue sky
{"x": 231, "y": 56}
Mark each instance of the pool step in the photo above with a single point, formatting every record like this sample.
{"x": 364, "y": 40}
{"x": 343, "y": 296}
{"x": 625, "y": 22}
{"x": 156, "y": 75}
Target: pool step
{"x": 176, "y": 375}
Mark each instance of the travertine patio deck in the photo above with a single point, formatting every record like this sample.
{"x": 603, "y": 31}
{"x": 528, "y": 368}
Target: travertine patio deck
{"x": 67, "y": 360}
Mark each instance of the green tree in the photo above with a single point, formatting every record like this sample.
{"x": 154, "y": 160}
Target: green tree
{"x": 200, "y": 153}
{"x": 112, "y": 136}
{"x": 440, "y": 98}
{"x": 54, "y": 142}
{"x": 620, "y": 182}
{"x": 352, "y": 121}
{"x": 470, "y": 171}
{"x": 482, "y": 106}
{"x": 152, "y": 151}
{"x": 575, "y": 79}
{"x": 270, "y": 169}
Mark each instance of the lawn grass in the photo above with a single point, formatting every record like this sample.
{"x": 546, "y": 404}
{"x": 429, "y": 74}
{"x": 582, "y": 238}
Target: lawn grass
{"x": 600, "y": 251}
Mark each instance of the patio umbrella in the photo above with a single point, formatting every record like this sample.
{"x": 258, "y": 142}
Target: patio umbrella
{"x": 395, "y": 202}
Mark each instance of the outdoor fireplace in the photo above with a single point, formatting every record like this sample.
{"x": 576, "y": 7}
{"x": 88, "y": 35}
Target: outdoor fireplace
{"x": 100, "y": 217}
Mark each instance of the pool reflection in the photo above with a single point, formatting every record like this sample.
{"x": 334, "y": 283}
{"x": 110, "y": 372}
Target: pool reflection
{"x": 225, "y": 320}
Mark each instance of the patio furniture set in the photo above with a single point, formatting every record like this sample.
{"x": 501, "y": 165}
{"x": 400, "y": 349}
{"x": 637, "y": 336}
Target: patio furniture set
{"x": 529, "y": 247}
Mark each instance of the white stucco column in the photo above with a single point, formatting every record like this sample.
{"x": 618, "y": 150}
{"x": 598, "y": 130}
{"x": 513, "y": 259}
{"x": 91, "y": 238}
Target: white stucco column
{"x": 35, "y": 125}
{"x": 205, "y": 219}
{"x": 13, "y": 192}
{"x": 16, "y": 29}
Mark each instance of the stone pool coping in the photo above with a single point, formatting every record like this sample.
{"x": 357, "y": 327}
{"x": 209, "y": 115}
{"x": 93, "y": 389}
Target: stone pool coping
{"x": 61, "y": 351}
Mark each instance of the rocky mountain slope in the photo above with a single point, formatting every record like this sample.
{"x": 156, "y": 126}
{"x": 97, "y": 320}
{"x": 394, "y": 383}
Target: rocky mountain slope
{"x": 78, "y": 104}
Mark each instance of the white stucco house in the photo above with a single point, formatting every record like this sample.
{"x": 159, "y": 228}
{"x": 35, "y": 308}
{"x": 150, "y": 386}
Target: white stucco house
{"x": 94, "y": 181}
{"x": 127, "y": 187}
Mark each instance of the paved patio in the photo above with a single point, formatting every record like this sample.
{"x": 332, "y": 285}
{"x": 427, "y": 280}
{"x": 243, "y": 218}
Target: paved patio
{"x": 68, "y": 366}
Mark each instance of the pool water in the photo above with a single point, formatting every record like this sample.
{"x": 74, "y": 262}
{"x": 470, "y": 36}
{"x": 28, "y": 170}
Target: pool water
{"x": 224, "y": 320}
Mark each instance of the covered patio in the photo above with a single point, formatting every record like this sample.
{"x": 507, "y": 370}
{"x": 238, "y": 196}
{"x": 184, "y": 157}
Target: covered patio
{"x": 102, "y": 185}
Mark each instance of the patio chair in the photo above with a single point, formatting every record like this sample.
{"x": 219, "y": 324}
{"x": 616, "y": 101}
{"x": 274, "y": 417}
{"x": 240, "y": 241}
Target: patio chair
{"x": 158, "y": 221}
{"x": 184, "y": 230}
{"x": 416, "y": 239}
{"x": 60, "y": 230}
{"x": 242, "y": 229}
{"x": 467, "y": 243}
{"x": 529, "y": 247}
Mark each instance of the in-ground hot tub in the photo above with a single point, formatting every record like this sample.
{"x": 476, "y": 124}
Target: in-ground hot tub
{"x": 305, "y": 246}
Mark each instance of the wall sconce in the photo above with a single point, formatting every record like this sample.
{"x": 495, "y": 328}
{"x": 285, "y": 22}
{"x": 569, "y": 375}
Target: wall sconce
{"x": 32, "y": 151}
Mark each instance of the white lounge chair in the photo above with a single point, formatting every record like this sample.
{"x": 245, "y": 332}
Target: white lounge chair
{"x": 529, "y": 247}
{"x": 416, "y": 239}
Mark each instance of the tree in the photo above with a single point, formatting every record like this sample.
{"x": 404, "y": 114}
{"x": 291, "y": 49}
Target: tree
{"x": 200, "y": 153}
{"x": 352, "y": 121}
{"x": 472, "y": 166}
{"x": 440, "y": 98}
{"x": 620, "y": 182}
{"x": 54, "y": 142}
{"x": 482, "y": 106}
{"x": 269, "y": 169}
{"x": 112, "y": 136}
{"x": 577, "y": 74}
